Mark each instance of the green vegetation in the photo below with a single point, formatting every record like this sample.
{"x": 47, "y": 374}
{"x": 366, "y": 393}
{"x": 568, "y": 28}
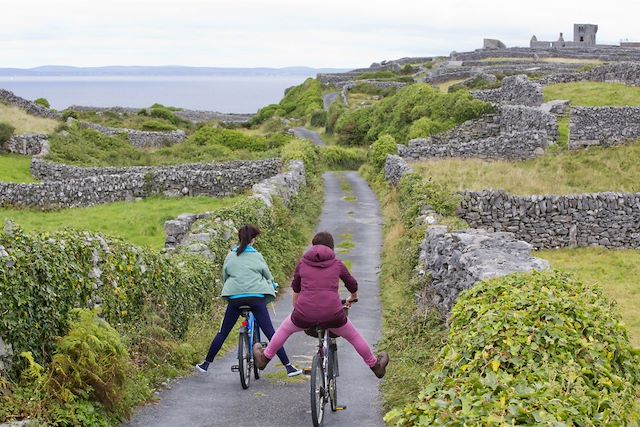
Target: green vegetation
{"x": 155, "y": 118}
{"x": 15, "y": 168}
{"x": 6, "y": 132}
{"x": 140, "y": 223}
{"x": 395, "y": 115}
{"x": 552, "y": 352}
{"x": 26, "y": 123}
{"x": 380, "y": 149}
{"x": 43, "y": 102}
{"x": 335, "y": 157}
{"x": 369, "y": 89}
{"x": 594, "y": 94}
{"x": 587, "y": 171}
{"x": 299, "y": 102}
{"x": 85, "y": 147}
{"x": 385, "y": 76}
{"x": 617, "y": 271}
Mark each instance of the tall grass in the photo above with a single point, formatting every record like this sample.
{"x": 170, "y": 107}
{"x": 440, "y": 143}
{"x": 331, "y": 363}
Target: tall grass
{"x": 568, "y": 172}
{"x": 140, "y": 223}
{"x": 594, "y": 94}
{"x": 15, "y": 168}
{"x": 617, "y": 271}
{"x": 25, "y": 123}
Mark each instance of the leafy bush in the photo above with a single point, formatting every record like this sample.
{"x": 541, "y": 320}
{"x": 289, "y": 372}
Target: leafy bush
{"x": 165, "y": 113}
{"x": 158, "y": 126}
{"x": 298, "y": 102}
{"x": 43, "y": 102}
{"x": 380, "y": 149}
{"x": 415, "y": 192}
{"x": 6, "y": 132}
{"x": 531, "y": 349}
{"x": 335, "y": 157}
{"x": 235, "y": 140}
{"x": 425, "y": 127}
{"x": 303, "y": 150}
{"x": 395, "y": 115}
{"x": 70, "y": 113}
{"x": 408, "y": 69}
{"x": 371, "y": 75}
{"x": 370, "y": 89}
{"x": 335, "y": 111}
{"x": 318, "y": 118}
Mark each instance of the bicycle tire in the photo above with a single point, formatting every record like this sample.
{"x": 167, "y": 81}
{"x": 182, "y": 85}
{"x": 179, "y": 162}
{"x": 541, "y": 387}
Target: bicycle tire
{"x": 333, "y": 380}
{"x": 318, "y": 395}
{"x": 256, "y": 338}
{"x": 244, "y": 362}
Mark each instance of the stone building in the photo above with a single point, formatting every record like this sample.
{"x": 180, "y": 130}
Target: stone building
{"x": 584, "y": 35}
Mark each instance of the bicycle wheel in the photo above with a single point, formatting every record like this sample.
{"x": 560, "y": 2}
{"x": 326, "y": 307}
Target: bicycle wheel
{"x": 244, "y": 361}
{"x": 333, "y": 380}
{"x": 318, "y": 394}
{"x": 256, "y": 338}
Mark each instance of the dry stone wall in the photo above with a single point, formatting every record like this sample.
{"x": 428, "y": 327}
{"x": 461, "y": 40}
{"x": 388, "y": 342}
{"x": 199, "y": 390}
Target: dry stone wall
{"x": 195, "y": 116}
{"x": 10, "y": 98}
{"x": 139, "y": 138}
{"x": 89, "y": 188}
{"x": 515, "y": 90}
{"x": 610, "y": 220}
{"x": 627, "y": 73}
{"x": 27, "y": 145}
{"x": 603, "y": 126}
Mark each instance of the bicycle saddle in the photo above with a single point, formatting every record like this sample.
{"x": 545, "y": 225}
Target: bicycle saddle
{"x": 244, "y": 308}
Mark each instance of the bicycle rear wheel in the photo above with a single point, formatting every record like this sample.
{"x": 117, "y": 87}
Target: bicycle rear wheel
{"x": 256, "y": 338}
{"x": 318, "y": 391}
{"x": 244, "y": 361}
{"x": 333, "y": 380}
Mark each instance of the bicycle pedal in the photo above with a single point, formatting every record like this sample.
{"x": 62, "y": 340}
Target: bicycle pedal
{"x": 341, "y": 408}
{"x": 235, "y": 368}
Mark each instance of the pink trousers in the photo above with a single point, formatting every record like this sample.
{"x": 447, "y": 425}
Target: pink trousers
{"x": 347, "y": 331}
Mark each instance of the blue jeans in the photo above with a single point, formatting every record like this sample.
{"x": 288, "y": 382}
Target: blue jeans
{"x": 231, "y": 315}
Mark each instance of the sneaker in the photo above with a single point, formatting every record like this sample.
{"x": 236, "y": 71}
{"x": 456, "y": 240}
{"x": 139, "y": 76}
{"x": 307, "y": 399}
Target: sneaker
{"x": 202, "y": 367}
{"x": 381, "y": 364}
{"x": 259, "y": 358}
{"x": 292, "y": 371}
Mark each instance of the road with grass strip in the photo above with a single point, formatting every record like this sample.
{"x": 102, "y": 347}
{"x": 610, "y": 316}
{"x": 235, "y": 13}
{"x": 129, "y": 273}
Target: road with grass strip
{"x": 304, "y": 133}
{"x": 351, "y": 213}
{"x": 329, "y": 99}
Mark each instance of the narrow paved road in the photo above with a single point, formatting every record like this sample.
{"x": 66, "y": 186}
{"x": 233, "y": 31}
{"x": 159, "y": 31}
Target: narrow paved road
{"x": 329, "y": 99}
{"x": 304, "y": 133}
{"x": 351, "y": 212}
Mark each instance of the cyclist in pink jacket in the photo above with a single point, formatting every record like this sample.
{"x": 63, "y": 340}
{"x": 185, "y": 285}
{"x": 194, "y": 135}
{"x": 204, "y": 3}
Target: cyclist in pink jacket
{"x": 316, "y": 302}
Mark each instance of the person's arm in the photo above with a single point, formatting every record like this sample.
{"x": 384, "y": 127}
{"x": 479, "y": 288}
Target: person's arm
{"x": 225, "y": 275}
{"x": 296, "y": 284}
{"x": 265, "y": 269}
{"x": 350, "y": 282}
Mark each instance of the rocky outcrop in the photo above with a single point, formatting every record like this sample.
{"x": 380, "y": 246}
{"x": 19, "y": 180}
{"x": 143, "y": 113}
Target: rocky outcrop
{"x": 603, "y": 126}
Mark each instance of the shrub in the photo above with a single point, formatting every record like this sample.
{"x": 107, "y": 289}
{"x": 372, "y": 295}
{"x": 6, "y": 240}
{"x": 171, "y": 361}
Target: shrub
{"x": 70, "y": 113}
{"x": 235, "y": 140}
{"x": 157, "y": 126}
{"x": 370, "y": 75}
{"x": 530, "y": 349}
{"x": 334, "y": 113}
{"x": 165, "y": 113}
{"x": 408, "y": 69}
{"x": 318, "y": 118}
{"x": 380, "y": 149}
{"x": 352, "y": 127}
{"x": 42, "y": 102}
{"x": 298, "y": 102}
{"x": 335, "y": 157}
{"x": 370, "y": 89}
{"x": 425, "y": 127}
{"x": 415, "y": 193}
{"x": 6, "y": 132}
{"x": 303, "y": 150}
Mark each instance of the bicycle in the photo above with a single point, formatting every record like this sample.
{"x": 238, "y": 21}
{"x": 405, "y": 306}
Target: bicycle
{"x": 248, "y": 334}
{"x": 324, "y": 373}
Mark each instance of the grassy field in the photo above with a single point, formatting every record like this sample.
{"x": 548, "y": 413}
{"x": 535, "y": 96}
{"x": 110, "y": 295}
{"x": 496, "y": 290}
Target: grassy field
{"x": 444, "y": 87}
{"x": 25, "y": 123}
{"x": 594, "y": 94}
{"x": 15, "y": 168}
{"x": 587, "y": 171}
{"x": 140, "y": 223}
{"x": 617, "y": 271}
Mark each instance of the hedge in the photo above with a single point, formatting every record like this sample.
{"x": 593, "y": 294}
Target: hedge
{"x": 299, "y": 102}
{"x": 530, "y": 349}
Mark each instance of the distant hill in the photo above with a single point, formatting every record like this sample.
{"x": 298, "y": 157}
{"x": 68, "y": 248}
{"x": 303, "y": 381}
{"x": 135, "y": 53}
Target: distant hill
{"x": 170, "y": 70}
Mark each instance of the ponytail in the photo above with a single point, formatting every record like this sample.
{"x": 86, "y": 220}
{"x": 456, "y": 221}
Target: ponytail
{"x": 245, "y": 235}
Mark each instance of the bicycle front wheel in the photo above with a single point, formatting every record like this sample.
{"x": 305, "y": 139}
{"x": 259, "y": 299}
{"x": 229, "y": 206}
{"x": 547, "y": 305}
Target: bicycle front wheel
{"x": 244, "y": 360}
{"x": 256, "y": 338}
{"x": 318, "y": 391}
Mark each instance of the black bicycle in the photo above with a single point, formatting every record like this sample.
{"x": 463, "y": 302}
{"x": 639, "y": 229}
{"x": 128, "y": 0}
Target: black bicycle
{"x": 248, "y": 334}
{"x": 324, "y": 373}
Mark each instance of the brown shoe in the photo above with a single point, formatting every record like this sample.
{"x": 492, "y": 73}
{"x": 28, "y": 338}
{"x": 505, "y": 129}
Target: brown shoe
{"x": 259, "y": 358}
{"x": 381, "y": 365}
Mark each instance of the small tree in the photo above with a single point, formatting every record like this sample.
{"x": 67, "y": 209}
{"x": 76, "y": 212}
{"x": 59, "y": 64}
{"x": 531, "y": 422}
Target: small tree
{"x": 43, "y": 102}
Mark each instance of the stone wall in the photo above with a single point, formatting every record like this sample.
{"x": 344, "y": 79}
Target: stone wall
{"x": 195, "y": 116}
{"x": 601, "y": 53}
{"x": 139, "y": 138}
{"x": 9, "y": 98}
{"x": 603, "y": 126}
{"x": 611, "y": 220}
{"x": 627, "y": 73}
{"x": 27, "y": 145}
{"x": 514, "y": 132}
{"x": 395, "y": 167}
{"x": 515, "y": 90}
{"x": 180, "y": 232}
{"x": 90, "y": 187}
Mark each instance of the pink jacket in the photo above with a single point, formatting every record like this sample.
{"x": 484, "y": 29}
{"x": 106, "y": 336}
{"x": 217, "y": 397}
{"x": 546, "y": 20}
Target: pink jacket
{"x": 317, "y": 280}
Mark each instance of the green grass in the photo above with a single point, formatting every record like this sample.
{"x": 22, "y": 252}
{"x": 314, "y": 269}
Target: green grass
{"x": 575, "y": 172}
{"x": 345, "y": 247}
{"x": 15, "y": 168}
{"x": 280, "y": 378}
{"x": 25, "y": 123}
{"x": 617, "y": 271}
{"x": 140, "y": 223}
{"x": 594, "y": 94}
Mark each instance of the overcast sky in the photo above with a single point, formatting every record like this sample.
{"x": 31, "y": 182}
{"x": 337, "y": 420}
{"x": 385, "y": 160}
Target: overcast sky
{"x": 278, "y": 33}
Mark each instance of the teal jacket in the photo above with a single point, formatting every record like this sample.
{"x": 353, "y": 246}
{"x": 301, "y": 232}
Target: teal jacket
{"x": 247, "y": 274}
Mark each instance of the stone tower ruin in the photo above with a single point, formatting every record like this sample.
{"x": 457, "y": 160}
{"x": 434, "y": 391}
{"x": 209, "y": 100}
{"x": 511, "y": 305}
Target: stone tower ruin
{"x": 585, "y": 34}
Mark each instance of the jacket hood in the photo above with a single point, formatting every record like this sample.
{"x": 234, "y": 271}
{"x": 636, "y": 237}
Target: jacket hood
{"x": 319, "y": 256}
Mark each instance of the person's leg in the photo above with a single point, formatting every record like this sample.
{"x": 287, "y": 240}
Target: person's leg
{"x": 351, "y": 334}
{"x": 261, "y": 313}
{"x": 230, "y": 318}
{"x": 284, "y": 331}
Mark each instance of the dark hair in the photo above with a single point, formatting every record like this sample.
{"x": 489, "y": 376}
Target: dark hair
{"x": 323, "y": 238}
{"x": 246, "y": 234}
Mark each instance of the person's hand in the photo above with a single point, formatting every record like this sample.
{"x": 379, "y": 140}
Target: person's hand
{"x": 352, "y": 298}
